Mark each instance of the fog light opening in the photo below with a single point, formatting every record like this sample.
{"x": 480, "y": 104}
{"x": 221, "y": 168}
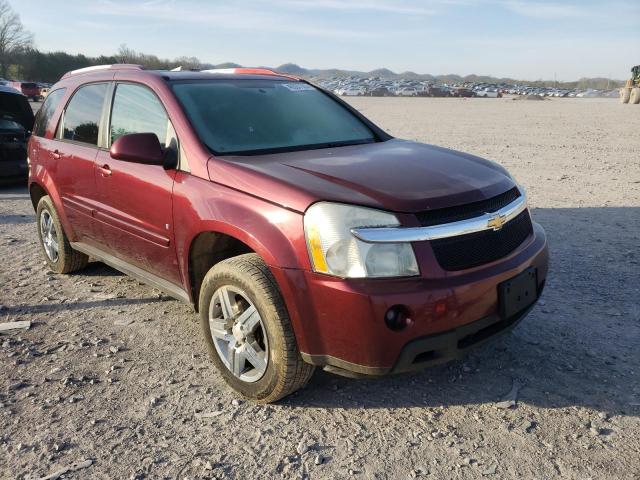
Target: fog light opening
{"x": 397, "y": 318}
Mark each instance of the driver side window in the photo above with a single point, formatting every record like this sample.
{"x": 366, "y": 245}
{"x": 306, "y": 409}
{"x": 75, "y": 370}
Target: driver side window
{"x": 136, "y": 109}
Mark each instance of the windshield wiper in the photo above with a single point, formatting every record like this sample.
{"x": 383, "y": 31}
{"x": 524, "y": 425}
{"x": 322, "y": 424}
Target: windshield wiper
{"x": 295, "y": 148}
{"x": 345, "y": 143}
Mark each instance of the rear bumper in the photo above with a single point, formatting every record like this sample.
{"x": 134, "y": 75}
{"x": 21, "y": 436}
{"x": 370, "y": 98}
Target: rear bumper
{"x": 340, "y": 323}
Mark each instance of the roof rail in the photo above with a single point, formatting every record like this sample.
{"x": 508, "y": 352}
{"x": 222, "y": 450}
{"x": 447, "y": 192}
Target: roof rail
{"x": 249, "y": 71}
{"x": 115, "y": 66}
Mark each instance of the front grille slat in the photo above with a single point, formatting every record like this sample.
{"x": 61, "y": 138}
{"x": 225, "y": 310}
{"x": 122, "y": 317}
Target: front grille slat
{"x": 467, "y": 211}
{"x": 475, "y": 249}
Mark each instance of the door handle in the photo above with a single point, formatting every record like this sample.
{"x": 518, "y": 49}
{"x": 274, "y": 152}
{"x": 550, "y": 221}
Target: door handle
{"x": 57, "y": 155}
{"x": 105, "y": 170}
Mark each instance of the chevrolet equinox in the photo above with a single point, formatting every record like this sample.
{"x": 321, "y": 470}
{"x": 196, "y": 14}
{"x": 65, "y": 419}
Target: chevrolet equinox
{"x": 302, "y": 233}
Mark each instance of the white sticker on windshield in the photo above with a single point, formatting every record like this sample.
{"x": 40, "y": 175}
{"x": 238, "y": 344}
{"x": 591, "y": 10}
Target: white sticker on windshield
{"x": 298, "y": 87}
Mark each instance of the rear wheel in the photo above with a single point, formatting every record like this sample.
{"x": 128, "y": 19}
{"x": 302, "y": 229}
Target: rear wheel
{"x": 635, "y": 96}
{"x": 625, "y": 94}
{"x": 247, "y": 330}
{"x": 59, "y": 255}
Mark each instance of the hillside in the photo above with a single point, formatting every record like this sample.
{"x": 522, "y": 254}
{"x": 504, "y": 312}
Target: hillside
{"x": 294, "y": 69}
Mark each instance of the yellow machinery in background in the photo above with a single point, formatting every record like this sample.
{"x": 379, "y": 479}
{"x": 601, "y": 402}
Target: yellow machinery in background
{"x": 630, "y": 93}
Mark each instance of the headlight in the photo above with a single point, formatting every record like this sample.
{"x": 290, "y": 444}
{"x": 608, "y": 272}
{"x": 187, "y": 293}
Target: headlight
{"x": 334, "y": 250}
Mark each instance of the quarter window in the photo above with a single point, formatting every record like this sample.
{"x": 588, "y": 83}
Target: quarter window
{"x": 46, "y": 112}
{"x": 82, "y": 116}
{"x": 136, "y": 109}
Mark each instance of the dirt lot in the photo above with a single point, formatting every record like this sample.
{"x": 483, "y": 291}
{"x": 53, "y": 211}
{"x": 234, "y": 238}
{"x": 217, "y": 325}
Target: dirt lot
{"x": 112, "y": 372}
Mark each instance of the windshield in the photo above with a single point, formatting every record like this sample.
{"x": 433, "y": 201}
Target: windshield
{"x": 7, "y": 123}
{"x": 243, "y": 116}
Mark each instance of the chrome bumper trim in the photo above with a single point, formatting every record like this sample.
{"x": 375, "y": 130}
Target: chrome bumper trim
{"x": 488, "y": 221}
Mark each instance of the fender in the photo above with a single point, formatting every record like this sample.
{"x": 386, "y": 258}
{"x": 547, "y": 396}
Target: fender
{"x": 273, "y": 232}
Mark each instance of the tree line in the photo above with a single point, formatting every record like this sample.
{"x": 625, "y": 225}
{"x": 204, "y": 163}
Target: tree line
{"x": 33, "y": 65}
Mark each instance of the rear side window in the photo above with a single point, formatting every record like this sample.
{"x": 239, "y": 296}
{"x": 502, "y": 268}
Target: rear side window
{"x": 136, "y": 109}
{"x": 82, "y": 117}
{"x": 46, "y": 112}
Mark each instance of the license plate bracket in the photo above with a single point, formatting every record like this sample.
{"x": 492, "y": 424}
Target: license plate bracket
{"x": 518, "y": 293}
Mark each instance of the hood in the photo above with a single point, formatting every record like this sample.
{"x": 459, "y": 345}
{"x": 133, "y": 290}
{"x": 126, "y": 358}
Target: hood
{"x": 396, "y": 175}
{"x": 15, "y": 106}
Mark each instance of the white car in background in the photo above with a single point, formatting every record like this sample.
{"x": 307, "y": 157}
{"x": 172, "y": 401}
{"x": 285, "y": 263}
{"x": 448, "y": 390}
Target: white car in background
{"x": 355, "y": 92}
{"x": 487, "y": 93}
{"x": 351, "y": 91}
{"x": 407, "y": 92}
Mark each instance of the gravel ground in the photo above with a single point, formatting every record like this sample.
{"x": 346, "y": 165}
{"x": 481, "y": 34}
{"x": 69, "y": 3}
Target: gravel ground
{"x": 115, "y": 375}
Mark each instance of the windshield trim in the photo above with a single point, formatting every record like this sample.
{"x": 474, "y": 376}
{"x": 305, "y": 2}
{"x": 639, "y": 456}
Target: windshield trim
{"x": 377, "y": 134}
{"x": 295, "y": 148}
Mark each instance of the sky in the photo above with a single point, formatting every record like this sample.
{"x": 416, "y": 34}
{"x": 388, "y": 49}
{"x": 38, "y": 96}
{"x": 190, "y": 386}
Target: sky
{"x": 539, "y": 39}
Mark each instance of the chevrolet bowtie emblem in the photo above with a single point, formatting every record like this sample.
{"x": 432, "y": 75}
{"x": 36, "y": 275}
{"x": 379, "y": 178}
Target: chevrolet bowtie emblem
{"x": 497, "y": 222}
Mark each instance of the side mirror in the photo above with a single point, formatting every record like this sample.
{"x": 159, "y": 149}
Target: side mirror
{"x": 138, "y": 148}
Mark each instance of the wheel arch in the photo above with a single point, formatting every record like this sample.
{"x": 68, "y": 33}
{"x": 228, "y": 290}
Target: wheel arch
{"x": 36, "y": 192}
{"x": 42, "y": 184}
{"x": 208, "y": 248}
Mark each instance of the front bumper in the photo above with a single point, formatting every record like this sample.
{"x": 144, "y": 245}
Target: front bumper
{"x": 432, "y": 349}
{"x": 11, "y": 170}
{"x": 340, "y": 323}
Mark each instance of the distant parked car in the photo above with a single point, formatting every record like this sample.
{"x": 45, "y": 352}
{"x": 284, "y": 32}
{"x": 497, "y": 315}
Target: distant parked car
{"x": 407, "y": 92}
{"x": 438, "y": 92}
{"x": 29, "y": 89}
{"x": 379, "y": 92}
{"x": 16, "y": 123}
{"x": 353, "y": 92}
{"x": 463, "y": 92}
{"x": 488, "y": 93}
{"x": 8, "y": 84}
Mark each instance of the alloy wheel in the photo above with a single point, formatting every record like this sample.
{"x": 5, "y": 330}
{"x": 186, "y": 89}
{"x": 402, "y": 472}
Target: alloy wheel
{"x": 238, "y": 333}
{"x": 49, "y": 236}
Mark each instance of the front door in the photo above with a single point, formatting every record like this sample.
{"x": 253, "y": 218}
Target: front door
{"x": 135, "y": 200}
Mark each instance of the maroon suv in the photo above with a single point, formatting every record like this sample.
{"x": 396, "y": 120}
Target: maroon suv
{"x": 302, "y": 233}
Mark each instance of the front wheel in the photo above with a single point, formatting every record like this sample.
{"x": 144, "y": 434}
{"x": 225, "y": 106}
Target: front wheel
{"x": 625, "y": 95}
{"x": 634, "y": 98}
{"x": 247, "y": 330}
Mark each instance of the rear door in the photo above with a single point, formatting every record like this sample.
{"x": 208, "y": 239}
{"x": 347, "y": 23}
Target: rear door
{"x": 71, "y": 155}
{"x": 135, "y": 211}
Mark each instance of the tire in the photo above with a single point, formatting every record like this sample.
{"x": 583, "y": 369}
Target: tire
{"x": 273, "y": 337}
{"x": 634, "y": 97}
{"x": 625, "y": 94}
{"x": 67, "y": 259}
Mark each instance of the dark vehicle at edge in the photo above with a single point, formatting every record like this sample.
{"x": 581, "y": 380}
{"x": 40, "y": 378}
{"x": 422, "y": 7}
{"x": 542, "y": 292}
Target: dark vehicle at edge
{"x": 16, "y": 123}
